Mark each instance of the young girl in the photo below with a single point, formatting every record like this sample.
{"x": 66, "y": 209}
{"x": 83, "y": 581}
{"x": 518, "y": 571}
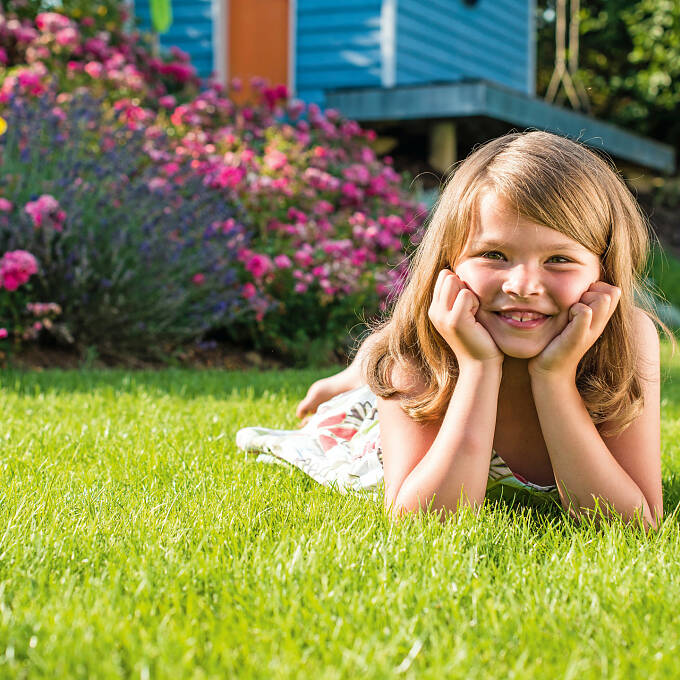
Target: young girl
{"x": 515, "y": 355}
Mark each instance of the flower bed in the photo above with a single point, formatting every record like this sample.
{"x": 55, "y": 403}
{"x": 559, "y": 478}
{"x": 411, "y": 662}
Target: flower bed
{"x": 313, "y": 227}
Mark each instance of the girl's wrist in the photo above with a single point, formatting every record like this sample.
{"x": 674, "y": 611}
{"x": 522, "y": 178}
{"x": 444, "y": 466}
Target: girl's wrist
{"x": 481, "y": 367}
{"x": 551, "y": 377}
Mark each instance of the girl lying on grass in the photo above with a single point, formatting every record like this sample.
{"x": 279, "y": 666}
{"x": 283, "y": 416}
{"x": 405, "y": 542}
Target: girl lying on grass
{"x": 515, "y": 355}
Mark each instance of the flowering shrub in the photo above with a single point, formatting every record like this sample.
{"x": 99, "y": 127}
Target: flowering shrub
{"x": 79, "y": 50}
{"x": 317, "y": 230}
{"x": 132, "y": 262}
{"x": 16, "y": 268}
{"x": 331, "y": 222}
{"x": 20, "y": 319}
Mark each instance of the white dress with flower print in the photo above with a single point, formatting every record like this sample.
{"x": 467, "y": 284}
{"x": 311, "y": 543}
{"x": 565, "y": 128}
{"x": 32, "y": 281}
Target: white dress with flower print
{"x": 339, "y": 447}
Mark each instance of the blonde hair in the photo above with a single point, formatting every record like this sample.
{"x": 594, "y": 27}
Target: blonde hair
{"x": 555, "y": 182}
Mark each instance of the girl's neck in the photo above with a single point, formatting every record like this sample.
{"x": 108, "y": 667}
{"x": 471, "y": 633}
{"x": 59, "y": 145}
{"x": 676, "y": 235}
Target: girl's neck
{"x": 516, "y": 373}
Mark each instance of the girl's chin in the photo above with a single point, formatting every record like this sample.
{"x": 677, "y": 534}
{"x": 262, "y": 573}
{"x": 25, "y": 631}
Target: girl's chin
{"x": 520, "y": 348}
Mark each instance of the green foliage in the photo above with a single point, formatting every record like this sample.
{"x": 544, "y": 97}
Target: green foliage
{"x": 629, "y": 62}
{"x": 161, "y": 15}
{"x": 138, "y": 542}
{"x": 664, "y": 271}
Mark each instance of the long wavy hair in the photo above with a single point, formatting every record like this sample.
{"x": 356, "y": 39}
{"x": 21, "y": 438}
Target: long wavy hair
{"x": 557, "y": 183}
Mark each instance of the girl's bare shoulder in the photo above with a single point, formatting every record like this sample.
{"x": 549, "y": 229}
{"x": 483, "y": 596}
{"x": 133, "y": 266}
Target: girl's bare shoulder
{"x": 648, "y": 343}
{"x": 407, "y": 379}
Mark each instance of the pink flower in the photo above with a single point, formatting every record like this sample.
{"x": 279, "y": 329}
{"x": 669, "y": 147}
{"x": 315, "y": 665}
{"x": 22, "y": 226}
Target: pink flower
{"x": 303, "y": 257}
{"x": 157, "y": 183}
{"x": 259, "y": 265}
{"x": 248, "y": 290}
{"x": 198, "y": 279}
{"x": 46, "y": 212}
{"x": 94, "y": 69}
{"x": 52, "y": 21}
{"x": 97, "y": 47}
{"x": 323, "y": 208}
{"x": 357, "y": 173}
{"x": 283, "y": 261}
{"x": 167, "y": 101}
{"x": 5, "y": 205}
{"x": 227, "y": 176}
{"x": 3, "y": 333}
{"x": 67, "y": 37}
{"x": 275, "y": 160}
{"x": 351, "y": 191}
{"x": 4, "y": 59}
{"x": 297, "y": 215}
{"x": 16, "y": 267}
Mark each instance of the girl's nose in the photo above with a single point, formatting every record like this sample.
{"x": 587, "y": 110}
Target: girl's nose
{"x": 522, "y": 281}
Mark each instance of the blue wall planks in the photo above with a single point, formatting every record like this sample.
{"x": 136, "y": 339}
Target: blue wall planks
{"x": 191, "y": 30}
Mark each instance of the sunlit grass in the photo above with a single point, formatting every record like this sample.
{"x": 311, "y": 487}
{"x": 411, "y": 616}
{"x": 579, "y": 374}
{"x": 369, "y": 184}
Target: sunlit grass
{"x": 136, "y": 541}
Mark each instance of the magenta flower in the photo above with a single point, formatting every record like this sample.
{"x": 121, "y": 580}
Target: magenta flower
{"x": 259, "y": 265}
{"x": 351, "y": 191}
{"x": 297, "y": 215}
{"x": 5, "y": 205}
{"x": 16, "y": 267}
{"x": 248, "y": 290}
{"x": 167, "y": 101}
{"x": 198, "y": 279}
{"x": 3, "y": 333}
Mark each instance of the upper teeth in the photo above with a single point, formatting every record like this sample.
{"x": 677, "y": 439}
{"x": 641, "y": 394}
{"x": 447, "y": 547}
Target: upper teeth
{"x": 523, "y": 316}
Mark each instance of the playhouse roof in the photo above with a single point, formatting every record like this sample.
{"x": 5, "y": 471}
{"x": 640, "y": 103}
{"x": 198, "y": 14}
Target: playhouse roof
{"x": 480, "y": 98}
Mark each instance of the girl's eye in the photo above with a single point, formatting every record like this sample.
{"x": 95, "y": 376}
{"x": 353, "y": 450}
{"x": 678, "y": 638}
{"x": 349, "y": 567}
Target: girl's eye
{"x": 490, "y": 255}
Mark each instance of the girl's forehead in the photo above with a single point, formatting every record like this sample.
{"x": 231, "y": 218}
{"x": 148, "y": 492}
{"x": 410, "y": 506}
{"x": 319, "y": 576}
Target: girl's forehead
{"x": 500, "y": 222}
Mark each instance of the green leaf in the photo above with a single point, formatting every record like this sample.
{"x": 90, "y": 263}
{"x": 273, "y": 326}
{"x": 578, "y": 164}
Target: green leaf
{"x": 161, "y": 15}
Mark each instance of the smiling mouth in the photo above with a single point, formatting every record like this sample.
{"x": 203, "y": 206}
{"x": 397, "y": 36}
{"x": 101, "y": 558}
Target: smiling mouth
{"x": 522, "y": 320}
{"x": 522, "y": 316}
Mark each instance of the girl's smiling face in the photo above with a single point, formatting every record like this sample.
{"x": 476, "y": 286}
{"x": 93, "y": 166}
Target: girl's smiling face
{"x": 520, "y": 268}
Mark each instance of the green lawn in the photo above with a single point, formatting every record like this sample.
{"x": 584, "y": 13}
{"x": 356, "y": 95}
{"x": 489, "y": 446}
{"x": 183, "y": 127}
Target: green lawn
{"x": 137, "y": 542}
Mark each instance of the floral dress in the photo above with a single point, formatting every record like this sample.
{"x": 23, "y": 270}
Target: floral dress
{"x": 339, "y": 447}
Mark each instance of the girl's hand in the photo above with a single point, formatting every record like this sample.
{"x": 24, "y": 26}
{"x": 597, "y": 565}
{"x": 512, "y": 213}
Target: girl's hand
{"x": 452, "y": 313}
{"x": 324, "y": 389}
{"x": 587, "y": 320}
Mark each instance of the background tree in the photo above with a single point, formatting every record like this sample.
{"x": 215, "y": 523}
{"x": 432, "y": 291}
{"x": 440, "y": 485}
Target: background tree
{"x": 629, "y": 62}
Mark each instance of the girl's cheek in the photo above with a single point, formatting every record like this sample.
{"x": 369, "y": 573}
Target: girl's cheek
{"x": 474, "y": 279}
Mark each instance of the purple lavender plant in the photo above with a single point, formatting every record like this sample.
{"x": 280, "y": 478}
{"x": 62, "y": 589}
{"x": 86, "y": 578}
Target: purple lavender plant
{"x": 141, "y": 262}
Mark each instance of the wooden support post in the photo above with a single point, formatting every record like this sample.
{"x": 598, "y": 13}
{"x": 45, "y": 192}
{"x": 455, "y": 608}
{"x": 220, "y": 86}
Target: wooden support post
{"x": 443, "y": 145}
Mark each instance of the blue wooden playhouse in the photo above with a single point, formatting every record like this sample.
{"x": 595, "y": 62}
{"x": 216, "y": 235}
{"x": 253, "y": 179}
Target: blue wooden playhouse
{"x": 442, "y": 73}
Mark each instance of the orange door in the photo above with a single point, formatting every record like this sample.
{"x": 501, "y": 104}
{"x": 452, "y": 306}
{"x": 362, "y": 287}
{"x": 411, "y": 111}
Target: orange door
{"x": 258, "y": 41}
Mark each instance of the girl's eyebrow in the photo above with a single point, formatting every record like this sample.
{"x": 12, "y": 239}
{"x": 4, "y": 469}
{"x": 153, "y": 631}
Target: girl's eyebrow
{"x": 491, "y": 243}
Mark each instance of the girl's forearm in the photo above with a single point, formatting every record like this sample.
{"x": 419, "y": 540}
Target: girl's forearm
{"x": 455, "y": 469}
{"x": 586, "y": 473}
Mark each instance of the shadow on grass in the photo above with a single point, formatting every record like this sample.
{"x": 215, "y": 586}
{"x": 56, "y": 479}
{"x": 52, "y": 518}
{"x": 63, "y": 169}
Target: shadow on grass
{"x": 183, "y": 383}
